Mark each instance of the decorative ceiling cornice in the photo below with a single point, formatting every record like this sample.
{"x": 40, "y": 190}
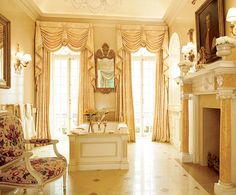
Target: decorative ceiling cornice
{"x": 104, "y": 18}
{"x": 30, "y": 8}
{"x": 173, "y": 10}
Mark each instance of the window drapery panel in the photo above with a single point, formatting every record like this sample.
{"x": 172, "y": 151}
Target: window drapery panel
{"x": 161, "y": 131}
{"x": 50, "y": 36}
{"x": 130, "y": 38}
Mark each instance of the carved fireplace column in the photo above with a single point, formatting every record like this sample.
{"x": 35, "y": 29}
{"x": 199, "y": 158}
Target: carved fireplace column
{"x": 186, "y": 89}
{"x": 224, "y": 185}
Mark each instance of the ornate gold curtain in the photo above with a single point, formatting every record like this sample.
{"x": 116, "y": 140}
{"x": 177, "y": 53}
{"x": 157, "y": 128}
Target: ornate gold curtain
{"x": 130, "y": 38}
{"x": 161, "y": 131}
{"x": 51, "y": 36}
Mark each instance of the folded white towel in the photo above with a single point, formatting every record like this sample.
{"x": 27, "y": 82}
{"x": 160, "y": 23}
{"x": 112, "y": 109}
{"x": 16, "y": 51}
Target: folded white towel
{"x": 28, "y": 112}
{"x": 79, "y": 131}
{"x": 29, "y": 126}
{"x": 83, "y": 126}
{"x": 123, "y": 128}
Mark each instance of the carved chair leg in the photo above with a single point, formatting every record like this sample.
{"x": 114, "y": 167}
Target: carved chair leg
{"x": 64, "y": 181}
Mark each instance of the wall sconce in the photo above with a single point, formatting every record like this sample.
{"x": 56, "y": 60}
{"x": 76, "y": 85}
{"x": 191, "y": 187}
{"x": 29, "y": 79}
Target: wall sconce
{"x": 188, "y": 55}
{"x": 231, "y": 17}
{"x": 22, "y": 60}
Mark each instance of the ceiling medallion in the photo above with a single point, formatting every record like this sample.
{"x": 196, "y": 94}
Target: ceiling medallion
{"x": 94, "y": 6}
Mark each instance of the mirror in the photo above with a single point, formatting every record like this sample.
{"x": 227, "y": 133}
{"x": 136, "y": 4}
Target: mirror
{"x": 5, "y": 53}
{"x": 105, "y": 69}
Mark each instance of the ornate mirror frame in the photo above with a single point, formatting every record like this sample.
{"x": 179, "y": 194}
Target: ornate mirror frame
{"x": 5, "y": 64}
{"x": 105, "y": 52}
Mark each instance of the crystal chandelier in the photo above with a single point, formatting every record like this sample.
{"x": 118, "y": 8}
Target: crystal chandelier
{"x": 94, "y": 6}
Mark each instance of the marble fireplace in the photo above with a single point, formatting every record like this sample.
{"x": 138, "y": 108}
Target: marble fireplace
{"x": 211, "y": 93}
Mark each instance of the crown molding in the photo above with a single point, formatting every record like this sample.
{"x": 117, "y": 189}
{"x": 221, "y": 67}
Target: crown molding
{"x": 173, "y": 10}
{"x": 101, "y": 17}
{"x": 106, "y": 22}
{"x": 29, "y": 8}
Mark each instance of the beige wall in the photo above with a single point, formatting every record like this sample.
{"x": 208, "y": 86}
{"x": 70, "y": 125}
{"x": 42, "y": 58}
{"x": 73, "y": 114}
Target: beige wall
{"x": 22, "y": 32}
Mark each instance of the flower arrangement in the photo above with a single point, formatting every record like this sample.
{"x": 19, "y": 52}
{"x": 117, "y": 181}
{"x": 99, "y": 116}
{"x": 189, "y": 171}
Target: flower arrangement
{"x": 225, "y": 40}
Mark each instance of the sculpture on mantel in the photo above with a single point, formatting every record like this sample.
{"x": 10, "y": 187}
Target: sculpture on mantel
{"x": 202, "y": 59}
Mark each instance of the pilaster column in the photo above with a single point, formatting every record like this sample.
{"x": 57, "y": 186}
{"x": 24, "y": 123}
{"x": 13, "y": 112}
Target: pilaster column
{"x": 185, "y": 156}
{"x": 124, "y": 152}
{"x": 225, "y": 186}
{"x": 185, "y": 124}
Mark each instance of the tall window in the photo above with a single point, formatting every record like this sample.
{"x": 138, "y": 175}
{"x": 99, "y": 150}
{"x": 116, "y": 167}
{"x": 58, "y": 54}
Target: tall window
{"x": 143, "y": 84}
{"x": 64, "y": 90}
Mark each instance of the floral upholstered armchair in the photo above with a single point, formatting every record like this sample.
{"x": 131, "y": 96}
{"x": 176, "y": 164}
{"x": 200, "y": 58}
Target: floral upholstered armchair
{"x": 17, "y": 169}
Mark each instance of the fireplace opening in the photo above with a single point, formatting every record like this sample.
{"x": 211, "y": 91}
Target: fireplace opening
{"x": 211, "y": 137}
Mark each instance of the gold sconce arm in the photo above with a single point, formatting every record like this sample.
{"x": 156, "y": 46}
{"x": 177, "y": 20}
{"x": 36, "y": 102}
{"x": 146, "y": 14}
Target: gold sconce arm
{"x": 22, "y": 60}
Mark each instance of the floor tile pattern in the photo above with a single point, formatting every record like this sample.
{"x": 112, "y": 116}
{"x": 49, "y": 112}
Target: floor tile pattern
{"x": 153, "y": 170}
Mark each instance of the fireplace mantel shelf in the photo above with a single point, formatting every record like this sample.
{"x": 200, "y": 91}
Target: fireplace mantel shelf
{"x": 218, "y": 67}
{"x": 206, "y": 81}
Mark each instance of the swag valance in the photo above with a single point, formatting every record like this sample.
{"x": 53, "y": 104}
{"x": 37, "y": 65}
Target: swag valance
{"x": 51, "y": 36}
{"x": 133, "y": 37}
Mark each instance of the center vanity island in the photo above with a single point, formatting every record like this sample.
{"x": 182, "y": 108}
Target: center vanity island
{"x": 98, "y": 150}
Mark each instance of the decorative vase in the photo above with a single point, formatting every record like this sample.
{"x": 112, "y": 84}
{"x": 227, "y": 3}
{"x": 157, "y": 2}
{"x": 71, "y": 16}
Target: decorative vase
{"x": 224, "y": 50}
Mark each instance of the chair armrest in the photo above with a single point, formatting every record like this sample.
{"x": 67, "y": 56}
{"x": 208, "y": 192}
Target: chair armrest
{"x": 27, "y": 154}
{"x": 45, "y": 142}
{"x": 41, "y": 141}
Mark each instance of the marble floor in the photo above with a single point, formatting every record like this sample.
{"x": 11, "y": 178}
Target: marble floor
{"x": 153, "y": 170}
{"x": 204, "y": 175}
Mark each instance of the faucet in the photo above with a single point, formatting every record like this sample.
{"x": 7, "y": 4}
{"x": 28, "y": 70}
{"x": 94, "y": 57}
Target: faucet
{"x": 100, "y": 117}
